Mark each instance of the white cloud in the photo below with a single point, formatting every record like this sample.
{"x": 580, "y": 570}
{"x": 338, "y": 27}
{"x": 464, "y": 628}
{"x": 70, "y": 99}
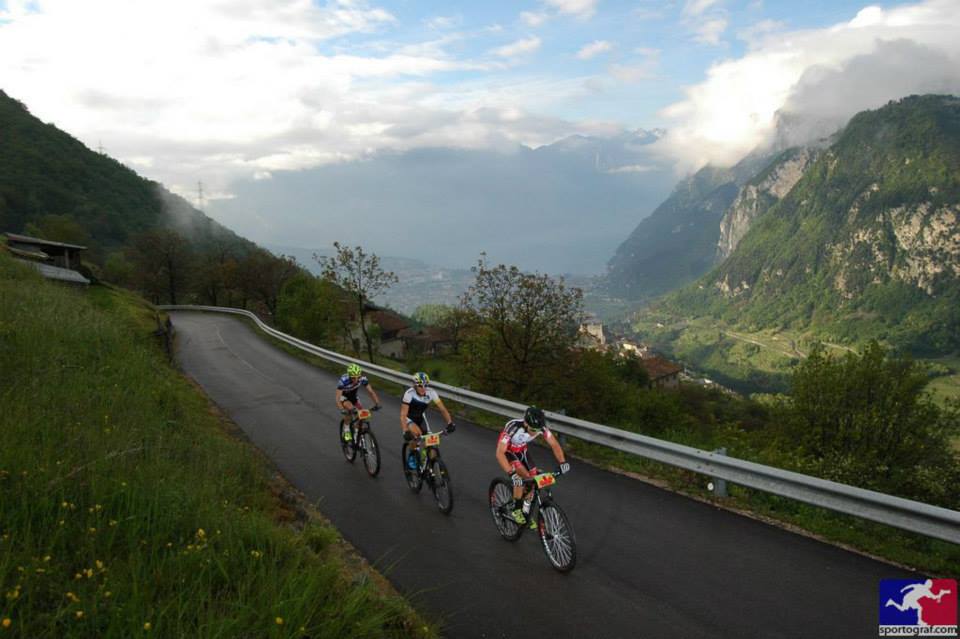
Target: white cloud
{"x": 582, "y": 9}
{"x": 443, "y": 22}
{"x": 735, "y": 108}
{"x": 637, "y": 70}
{"x": 518, "y": 48}
{"x": 760, "y": 30}
{"x": 534, "y": 19}
{"x": 595, "y": 48}
{"x": 246, "y": 88}
{"x": 697, "y": 7}
{"x": 708, "y": 31}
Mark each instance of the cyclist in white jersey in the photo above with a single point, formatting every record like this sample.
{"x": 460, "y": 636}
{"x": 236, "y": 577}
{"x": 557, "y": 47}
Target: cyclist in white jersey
{"x": 412, "y": 408}
{"x": 515, "y": 459}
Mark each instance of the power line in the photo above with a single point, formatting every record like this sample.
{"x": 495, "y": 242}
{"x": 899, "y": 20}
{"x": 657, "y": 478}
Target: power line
{"x": 200, "y": 196}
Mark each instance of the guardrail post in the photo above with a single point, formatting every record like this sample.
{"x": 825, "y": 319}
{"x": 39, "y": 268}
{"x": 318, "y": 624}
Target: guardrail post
{"x": 718, "y": 486}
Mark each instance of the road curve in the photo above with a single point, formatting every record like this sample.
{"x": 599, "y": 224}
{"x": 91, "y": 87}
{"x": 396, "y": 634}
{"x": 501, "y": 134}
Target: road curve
{"x": 651, "y": 563}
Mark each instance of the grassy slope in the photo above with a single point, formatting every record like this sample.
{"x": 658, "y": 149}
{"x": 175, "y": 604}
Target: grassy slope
{"x": 758, "y": 361}
{"x": 125, "y": 509}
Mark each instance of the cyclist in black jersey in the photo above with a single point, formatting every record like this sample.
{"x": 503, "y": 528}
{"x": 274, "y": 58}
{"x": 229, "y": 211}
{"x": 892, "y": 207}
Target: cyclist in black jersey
{"x": 413, "y": 405}
{"x": 515, "y": 460}
{"x": 346, "y": 396}
{"x": 349, "y": 385}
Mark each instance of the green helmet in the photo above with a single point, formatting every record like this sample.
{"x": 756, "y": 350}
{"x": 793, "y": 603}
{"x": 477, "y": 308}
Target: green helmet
{"x": 354, "y": 370}
{"x": 421, "y": 379}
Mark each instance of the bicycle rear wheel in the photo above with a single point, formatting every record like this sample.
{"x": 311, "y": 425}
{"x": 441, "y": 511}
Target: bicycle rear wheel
{"x": 370, "y": 450}
{"x": 442, "y": 488}
{"x": 556, "y": 534}
{"x": 412, "y": 475}
{"x": 500, "y": 497}
{"x": 347, "y": 445}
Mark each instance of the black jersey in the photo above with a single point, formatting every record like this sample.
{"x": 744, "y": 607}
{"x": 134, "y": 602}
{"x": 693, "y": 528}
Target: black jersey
{"x": 417, "y": 404}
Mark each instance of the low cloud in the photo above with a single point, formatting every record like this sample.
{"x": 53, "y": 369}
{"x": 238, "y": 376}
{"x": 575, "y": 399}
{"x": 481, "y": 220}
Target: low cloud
{"x": 709, "y": 30}
{"x": 697, "y": 7}
{"x": 582, "y": 9}
{"x": 815, "y": 80}
{"x": 594, "y": 49}
{"x": 518, "y": 48}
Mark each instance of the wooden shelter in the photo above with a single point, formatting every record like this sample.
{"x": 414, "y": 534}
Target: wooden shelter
{"x": 54, "y": 260}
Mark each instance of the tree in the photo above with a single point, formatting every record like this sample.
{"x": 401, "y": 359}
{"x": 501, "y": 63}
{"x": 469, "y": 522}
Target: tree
{"x": 59, "y": 228}
{"x": 312, "y": 309}
{"x": 454, "y": 320}
{"x": 866, "y": 419}
{"x": 262, "y": 276}
{"x": 162, "y": 262}
{"x": 360, "y": 275}
{"x": 526, "y": 324}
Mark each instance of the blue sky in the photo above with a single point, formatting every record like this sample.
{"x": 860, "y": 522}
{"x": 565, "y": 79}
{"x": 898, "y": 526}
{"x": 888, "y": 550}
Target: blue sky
{"x": 660, "y": 35}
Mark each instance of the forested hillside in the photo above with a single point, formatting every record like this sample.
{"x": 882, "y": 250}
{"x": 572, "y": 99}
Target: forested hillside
{"x": 678, "y": 242}
{"x": 865, "y": 245}
{"x": 49, "y": 178}
{"x": 139, "y": 234}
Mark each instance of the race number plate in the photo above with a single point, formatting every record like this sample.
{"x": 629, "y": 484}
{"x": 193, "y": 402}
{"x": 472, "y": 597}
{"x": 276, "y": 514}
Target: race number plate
{"x": 433, "y": 439}
{"x": 363, "y": 414}
{"x": 547, "y": 479}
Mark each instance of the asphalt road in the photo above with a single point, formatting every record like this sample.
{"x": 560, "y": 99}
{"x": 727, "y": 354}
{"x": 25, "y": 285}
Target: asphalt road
{"x": 651, "y": 563}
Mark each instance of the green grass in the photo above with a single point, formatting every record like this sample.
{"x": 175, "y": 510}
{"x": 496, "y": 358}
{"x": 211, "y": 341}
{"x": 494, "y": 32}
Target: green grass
{"x": 127, "y": 510}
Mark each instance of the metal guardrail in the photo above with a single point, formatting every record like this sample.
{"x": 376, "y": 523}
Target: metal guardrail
{"x": 907, "y": 514}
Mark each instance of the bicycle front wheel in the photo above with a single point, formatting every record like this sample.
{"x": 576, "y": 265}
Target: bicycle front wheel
{"x": 370, "y": 450}
{"x": 345, "y": 431}
{"x": 442, "y": 488}
{"x": 500, "y": 498}
{"x": 556, "y": 534}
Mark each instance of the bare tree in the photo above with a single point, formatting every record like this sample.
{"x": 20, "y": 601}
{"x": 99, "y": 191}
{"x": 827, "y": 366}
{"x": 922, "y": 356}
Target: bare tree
{"x": 262, "y": 276}
{"x": 163, "y": 260}
{"x": 526, "y": 325}
{"x": 360, "y": 275}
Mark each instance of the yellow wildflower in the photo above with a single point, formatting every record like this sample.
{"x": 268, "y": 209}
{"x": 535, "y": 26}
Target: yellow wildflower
{"x": 72, "y": 597}
{"x": 6, "y": 622}
{"x": 201, "y": 533}
{"x": 113, "y": 522}
{"x": 99, "y": 565}
{"x": 46, "y": 559}
{"x": 88, "y": 572}
{"x": 78, "y": 614}
{"x": 256, "y": 554}
{"x": 147, "y": 626}
{"x": 279, "y": 621}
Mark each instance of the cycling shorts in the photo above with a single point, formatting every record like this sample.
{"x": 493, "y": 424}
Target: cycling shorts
{"x": 522, "y": 459}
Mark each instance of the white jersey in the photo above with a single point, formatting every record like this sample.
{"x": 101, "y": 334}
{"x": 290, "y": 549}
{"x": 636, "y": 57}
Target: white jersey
{"x": 516, "y": 437}
{"x": 417, "y": 404}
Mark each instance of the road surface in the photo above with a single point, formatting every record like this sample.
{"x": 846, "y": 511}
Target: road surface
{"x": 651, "y": 563}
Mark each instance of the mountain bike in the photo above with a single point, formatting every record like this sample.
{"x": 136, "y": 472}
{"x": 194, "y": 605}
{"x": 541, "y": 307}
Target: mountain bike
{"x": 361, "y": 439}
{"x": 430, "y": 469}
{"x": 556, "y": 534}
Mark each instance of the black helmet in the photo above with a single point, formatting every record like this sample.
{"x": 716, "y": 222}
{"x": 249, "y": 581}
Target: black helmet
{"x": 535, "y": 418}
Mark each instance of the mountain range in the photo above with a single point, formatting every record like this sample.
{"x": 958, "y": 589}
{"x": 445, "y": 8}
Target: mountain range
{"x": 559, "y": 208}
{"x": 856, "y": 239}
